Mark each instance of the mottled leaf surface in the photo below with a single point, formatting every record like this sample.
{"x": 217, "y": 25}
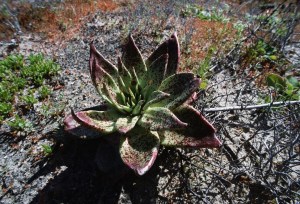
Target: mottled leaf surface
{"x": 156, "y": 72}
{"x": 139, "y": 149}
{"x": 105, "y": 121}
{"x": 180, "y": 87}
{"x": 156, "y": 97}
{"x": 170, "y": 47}
{"x": 78, "y": 130}
{"x": 174, "y": 55}
{"x": 124, "y": 73}
{"x": 101, "y": 61}
{"x": 198, "y": 133}
{"x": 124, "y": 125}
{"x": 102, "y": 73}
{"x": 160, "y": 118}
{"x": 132, "y": 57}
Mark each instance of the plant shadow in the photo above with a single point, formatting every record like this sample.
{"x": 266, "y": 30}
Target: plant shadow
{"x": 81, "y": 181}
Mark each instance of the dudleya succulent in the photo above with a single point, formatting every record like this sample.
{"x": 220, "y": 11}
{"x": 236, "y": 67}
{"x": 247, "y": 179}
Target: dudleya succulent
{"x": 147, "y": 104}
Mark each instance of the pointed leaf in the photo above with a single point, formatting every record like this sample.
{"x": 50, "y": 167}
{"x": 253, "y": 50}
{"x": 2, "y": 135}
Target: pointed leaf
{"x": 198, "y": 133}
{"x": 159, "y": 118}
{"x": 101, "y": 61}
{"x": 174, "y": 55}
{"x": 81, "y": 131}
{"x": 103, "y": 81}
{"x": 139, "y": 149}
{"x": 78, "y": 130}
{"x": 138, "y": 107}
{"x": 132, "y": 57}
{"x": 180, "y": 87}
{"x": 102, "y": 121}
{"x": 156, "y": 72}
{"x": 170, "y": 47}
{"x": 124, "y": 73}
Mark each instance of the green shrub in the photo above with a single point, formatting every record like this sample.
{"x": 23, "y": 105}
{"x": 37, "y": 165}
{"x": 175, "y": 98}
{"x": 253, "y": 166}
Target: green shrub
{"x": 18, "y": 74}
{"x": 19, "y": 124}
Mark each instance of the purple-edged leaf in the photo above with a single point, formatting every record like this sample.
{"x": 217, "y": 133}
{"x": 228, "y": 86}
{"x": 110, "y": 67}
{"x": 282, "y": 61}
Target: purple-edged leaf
{"x": 102, "y": 80}
{"x": 159, "y": 118}
{"x": 198, "y": 133}
{"x": 78, "y": 130}
{"x": 170, "y": 47}
{"x": 124, "y": 125}
{"x": 102, "y": 121}
{"x": 104, "y": 64}
{"x": 180, "y": 87}
{"x": 174, "y": 55}
{"x": 132, "y": 58}
{"x": 105, "y": 121}
{"x": 156, "y": 72}
{"x": 192, "y": 99}
{"x": 139, "y": 149}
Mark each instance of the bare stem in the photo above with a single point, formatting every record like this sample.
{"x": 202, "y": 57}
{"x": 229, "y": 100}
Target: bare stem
{"x": 249, "y": 107}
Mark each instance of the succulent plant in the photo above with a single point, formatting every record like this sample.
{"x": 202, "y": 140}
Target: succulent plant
{"x": 146, "y": 102}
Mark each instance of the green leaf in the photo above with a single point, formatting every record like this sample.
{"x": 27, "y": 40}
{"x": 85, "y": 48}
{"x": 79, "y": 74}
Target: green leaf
{"x": 156, "y": 72}
{"x": 160, "y": 118}
{"x": 103, "y": 74}
{"x": 124, "y": 74}
{"x": 203, "y": 85}
{"x": 180, "y": 87}
{"x": 294, "y": 81}
{"x": 138, "y": 107}
{"x": 273, "y": 57}
{"x": 139, "y": 149}
{"x": 156, "y": 97}
{"x": 198, "y": 133}
{"x": 124, "y": 125}
{"x": 276, "y": 81}
{"x": 132, "y": 58}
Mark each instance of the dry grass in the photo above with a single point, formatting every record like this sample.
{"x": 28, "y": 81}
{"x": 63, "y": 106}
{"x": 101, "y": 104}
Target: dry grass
{"x": 60, "y": 20}
{"x": 207, "y": 36}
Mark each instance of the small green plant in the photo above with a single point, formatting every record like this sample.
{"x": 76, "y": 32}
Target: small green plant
{"x": 44, "y": 92}
{"x": 14, "y": 62}
{"x": 5, "y": 109}
{"x": 204, "y": 14}
{"x": 39, "y": 69}
{"x": 47, "y": 149}
{"x": 147, "y": 105}
{"x": 203, "y": 70}
{"x": 45, "y": 110}
{"x": 239, "y": 27}
{"x": 29, "y": 99}
{"x": 287, "y": 88}
{"x": 18, "y": 74}
{"x": 19, "y": 124}
{"x": 263, "y": 51}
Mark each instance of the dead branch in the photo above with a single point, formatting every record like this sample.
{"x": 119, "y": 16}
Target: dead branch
{"x": 250, "y": 107}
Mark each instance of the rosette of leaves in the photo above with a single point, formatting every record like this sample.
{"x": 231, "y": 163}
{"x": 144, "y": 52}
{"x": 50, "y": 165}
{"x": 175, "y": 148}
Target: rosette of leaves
{"x": 146, "y": 103}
